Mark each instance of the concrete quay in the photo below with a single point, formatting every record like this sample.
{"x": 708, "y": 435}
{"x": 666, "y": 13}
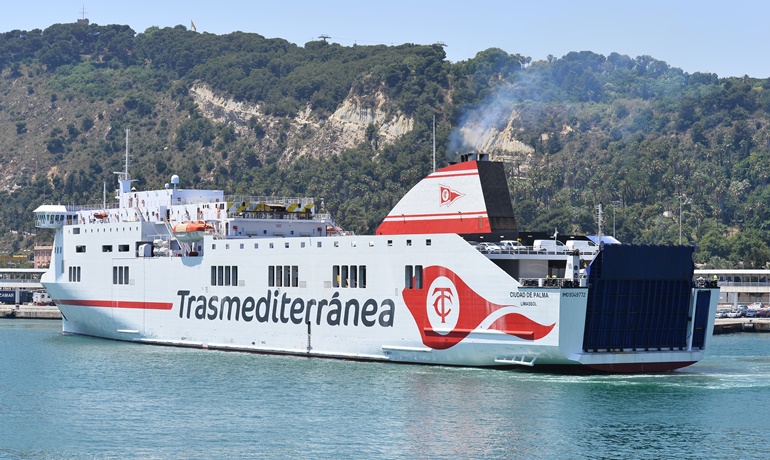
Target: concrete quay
{"x": 29, "y": 312}
{"x": 732, "y": 325}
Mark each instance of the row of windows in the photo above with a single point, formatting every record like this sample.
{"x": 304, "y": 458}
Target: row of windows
{"x": 352, "y": 276}
{"x": 74, "y": 274}
{"x": 119, "y": 275}
{"x": 283, "y": 276}
{"x": 319, "y": 244}
{"x": 224, "y": 275}
{"x": 108, "y": 248}
{"x": 126, "y": 248}
{"x": 413, "y": 277}
{"x": 76, "y": 230}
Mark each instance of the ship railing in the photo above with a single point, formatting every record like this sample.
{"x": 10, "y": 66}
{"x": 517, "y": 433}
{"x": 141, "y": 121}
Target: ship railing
{"x": 546, "y": 282}
{"x": 282, "y": 215}
{"x": 278, "y": 200}
{"x": 92, "y": 207}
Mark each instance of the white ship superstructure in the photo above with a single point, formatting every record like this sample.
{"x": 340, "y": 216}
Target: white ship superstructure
{"x": 195, "y": 268}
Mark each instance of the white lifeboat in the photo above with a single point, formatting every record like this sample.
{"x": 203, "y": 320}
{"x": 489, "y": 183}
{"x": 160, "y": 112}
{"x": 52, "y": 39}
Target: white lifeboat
{"x": 188, "y": 232}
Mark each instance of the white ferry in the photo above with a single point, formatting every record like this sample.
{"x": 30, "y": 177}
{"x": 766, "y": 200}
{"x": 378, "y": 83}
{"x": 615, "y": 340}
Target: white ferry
{"x": 195, "y": 268}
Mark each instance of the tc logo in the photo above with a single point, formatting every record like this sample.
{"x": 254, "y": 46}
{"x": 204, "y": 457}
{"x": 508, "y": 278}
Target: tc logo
{"x": 443, "y": 305}
{"x": 448, "y": 196}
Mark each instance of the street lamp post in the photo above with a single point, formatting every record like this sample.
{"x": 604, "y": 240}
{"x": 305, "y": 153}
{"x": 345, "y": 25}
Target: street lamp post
{"x": 682, "y": 200}
{"x": 614, "y": 206}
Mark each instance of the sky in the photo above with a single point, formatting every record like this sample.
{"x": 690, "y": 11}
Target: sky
{"x": 722, "y": 37}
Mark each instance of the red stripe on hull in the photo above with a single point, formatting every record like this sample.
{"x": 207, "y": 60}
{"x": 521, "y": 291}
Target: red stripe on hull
{"x": 118, "y": 304}
{"x": 461, "y": 226}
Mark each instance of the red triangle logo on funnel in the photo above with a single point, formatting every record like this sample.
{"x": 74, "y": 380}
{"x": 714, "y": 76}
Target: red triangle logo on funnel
{"x": 446, "y": 310}
{"x": 449, "y": 196}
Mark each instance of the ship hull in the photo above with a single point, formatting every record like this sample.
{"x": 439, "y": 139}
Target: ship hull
{"x": 307, "y": 310}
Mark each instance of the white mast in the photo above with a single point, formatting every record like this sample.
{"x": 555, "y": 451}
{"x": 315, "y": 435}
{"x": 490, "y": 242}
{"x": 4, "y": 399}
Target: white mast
{"x": 124, "y": 178}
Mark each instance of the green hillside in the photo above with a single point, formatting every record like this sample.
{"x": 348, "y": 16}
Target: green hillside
{"x": 353, "y": 125}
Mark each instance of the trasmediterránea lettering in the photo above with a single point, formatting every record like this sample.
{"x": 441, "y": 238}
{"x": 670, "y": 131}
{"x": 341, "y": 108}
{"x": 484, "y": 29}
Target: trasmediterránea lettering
{"x": 274, "y": 307}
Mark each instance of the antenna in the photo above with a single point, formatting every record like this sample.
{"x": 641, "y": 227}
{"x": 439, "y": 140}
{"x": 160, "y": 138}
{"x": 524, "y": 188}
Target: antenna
{"x": 83, "y": 13}
{"x": 324, "y": 37}
{"x": 128, "y": 131}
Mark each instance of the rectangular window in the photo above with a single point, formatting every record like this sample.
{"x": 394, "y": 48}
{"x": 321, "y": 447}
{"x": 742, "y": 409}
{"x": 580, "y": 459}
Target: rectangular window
{"x": 106, "y": 248}
{"x": 220, "y": 275}
{"x": 123, "y": 248}
{"x": 76, "y": 231}
{"x": 408, "y": 277}
{"x": 234, "y": 270}
{"x": 125, "y": 276}
{"x": 336, "y": 276}
{"x": 213, "y": 275}
{"x": 427, "y": 242}
{"x": 80, "y": 249}
{"x": 114, "y": 275}
{"x": 294, "y": 276}
{"x": 418, "y": 276}
{"x": 344, "y": 276}
{"x": 279, "y": 276}
{"x": 227, "y": 276}
{"x": 353, "y": 276}
{"x": 362, "y": 276}
{"x": 286, "y": 276}
{"x": 408, "y": 242}
{"x": 271, "y": 276}
{"x": 77, "y": 274}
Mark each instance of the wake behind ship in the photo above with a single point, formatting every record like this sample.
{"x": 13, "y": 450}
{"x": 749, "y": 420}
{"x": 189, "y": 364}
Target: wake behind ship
{"x": 194, "y": 268}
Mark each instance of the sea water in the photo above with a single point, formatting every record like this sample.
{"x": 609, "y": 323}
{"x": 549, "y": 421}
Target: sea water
{"x": 64, "y": 396}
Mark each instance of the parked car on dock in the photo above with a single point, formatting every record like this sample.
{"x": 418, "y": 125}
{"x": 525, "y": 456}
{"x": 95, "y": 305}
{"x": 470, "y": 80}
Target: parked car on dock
{"x": 490, "y": 248}
{"x": 510, "y": 246}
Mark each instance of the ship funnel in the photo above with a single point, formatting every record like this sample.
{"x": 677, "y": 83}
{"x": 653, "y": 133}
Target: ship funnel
{"x": 468, "y": 198}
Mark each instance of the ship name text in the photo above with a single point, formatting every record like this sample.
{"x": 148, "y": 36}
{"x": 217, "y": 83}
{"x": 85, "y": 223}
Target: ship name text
{"x": 276, "y": 308}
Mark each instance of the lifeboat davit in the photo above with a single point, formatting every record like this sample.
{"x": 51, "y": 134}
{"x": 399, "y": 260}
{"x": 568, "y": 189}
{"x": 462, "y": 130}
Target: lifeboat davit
{"x": 191, "y": 231}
